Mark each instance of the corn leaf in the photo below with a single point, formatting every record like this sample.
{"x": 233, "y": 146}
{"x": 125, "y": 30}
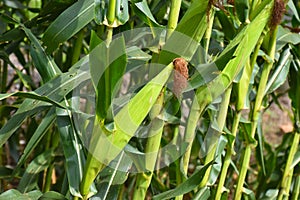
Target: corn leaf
{"x": 142, "y": 10}
{"x": 55, "y": 89}
{"x": 15, "y": 194}
{"x": 184, "y": 41}
{"x": 52, "y": 195}
{"x": 185, "y": 187}
{"x": 39, "y": 133}
{"x": 107, "y": 66}
{"x": 246, "y": 41}
{"x": 31, "y": 95}
{"x": 106, "y": 146}
{"x": 68, "y": 24}
{"x": 72, "y": 146}
{"x": 37, "y": 165}
{"x": 45, "y": 65}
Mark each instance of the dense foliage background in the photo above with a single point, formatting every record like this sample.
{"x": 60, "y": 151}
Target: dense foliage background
{"x": 244, "y": 69}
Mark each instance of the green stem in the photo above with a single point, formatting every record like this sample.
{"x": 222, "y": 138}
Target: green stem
{"x": 197, "y": 110}
{"x": 107, "y": 74}
{"x": 288, "y": 172}
{"x": 93, "y": 166}
{"x": 53, "y": 140}
{"x": 207, "y": 36}
{"x": 48, "y": 180}
{"x": 242, "y": 94}
{"x": 171, "y": 26}
{"x": 77, "y": 47}
{"x": 121, "y": 193}
{"x": 227, "y": 158}
{"x": 189, "y": 135}
{"x": 111, "y": 13}
{"x": 153, "y": 143}
{"x": 144, "y": 179}
{"x": 256, "y": 111}
{"x": 296, "y": 190}
{"x": 174, "y": 15}
{"x": 177, "y": 163}
{"x": 221, "y": 119}
{"x": 194, "y": 115}
{"x": 243, "y": 172}
{"x": 47, "y": 172}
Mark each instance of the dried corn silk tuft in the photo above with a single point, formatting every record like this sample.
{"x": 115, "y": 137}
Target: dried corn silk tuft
{"x": 278, "y": 11}
{"x": 181, "y": 75}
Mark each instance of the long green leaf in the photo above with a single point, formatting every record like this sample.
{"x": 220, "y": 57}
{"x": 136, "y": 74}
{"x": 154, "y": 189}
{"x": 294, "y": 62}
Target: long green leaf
{"x": 185, "y": 39}
{"x": 40, "y": 163}
{"x": 42, "y": 129}
{"x": 142, "y": 10}
{"x": 294, "y": 93}
{"x": 107, "y": 66}
{"x": 294, "y": 9}
{"x": 55, "y": 89}
{"x": 72, "y": 146}
{"x": 296, "y": 159}
{"x": 31, "y": 95}
{"x": 282, "y": 69}
{"x": 187, "y": 186}
{"x": 43, "y": 63}
{"x": 68, "y": 23}
{"x": 246, "y": 41}
{"x": 106, "y": 146}
{"x": 242, "y": 10}
{"x": 11, "y": 35}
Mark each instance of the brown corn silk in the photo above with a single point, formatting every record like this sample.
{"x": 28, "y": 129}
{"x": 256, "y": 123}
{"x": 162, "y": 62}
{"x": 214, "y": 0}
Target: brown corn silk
{"x": 181, "y": 75}
{"x": 278, "y": 11}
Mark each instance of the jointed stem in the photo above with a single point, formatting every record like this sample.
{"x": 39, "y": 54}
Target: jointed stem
{"x": 111, "y": 11}
{"x": 288, "y": 171}
{"x": 151, "y": 151}
{"x": 173, "y": 18}
{"x": 221, "y": 119}
{"x": 296, "y": 190}
{"x": 242, "y": 94}
{"x": 195, "y": 113}
{"x": 256, "y": 111}
{"x": 77, "y": 47}
{"x": 207, "y": 36}
{"x": 227, "y": 159}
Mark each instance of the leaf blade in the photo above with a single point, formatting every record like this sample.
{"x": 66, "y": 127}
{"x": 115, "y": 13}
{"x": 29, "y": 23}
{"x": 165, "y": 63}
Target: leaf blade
{"x": 68, "y": 23}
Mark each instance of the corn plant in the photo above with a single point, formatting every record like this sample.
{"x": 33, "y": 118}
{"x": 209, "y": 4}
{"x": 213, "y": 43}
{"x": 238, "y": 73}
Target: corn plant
{"x": 136, "y": 99}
